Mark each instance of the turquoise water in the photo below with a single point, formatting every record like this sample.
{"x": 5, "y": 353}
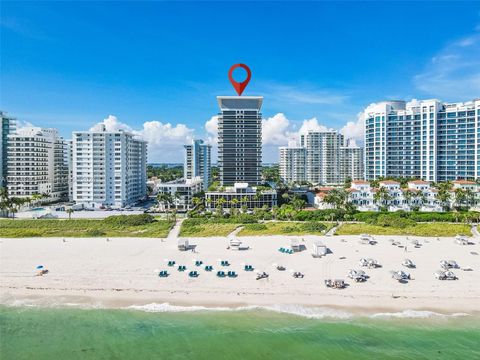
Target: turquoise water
{"x": 64, "y": 333}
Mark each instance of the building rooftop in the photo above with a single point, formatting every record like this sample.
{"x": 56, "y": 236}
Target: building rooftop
{"x": 240, "y": 102}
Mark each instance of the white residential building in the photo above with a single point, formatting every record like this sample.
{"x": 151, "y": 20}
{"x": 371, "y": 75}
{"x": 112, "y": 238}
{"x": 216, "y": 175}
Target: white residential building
{"x": 239, "y": 195}
{"x": 37, "y": 164}
{"x": 293, "y": 163}
{"x": 198, "y": 162}
{"x": 351, "y": 161}
{"x": 109, "y": 168}
{"x": 426, "y": 139}
{"x": 181, "y": 192}
{"x": 419, "y": 195}
{"x": 323, "y": 160}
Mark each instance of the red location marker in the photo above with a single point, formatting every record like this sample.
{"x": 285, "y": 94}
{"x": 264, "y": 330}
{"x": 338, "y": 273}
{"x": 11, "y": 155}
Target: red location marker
{"x": 239, "y": 86}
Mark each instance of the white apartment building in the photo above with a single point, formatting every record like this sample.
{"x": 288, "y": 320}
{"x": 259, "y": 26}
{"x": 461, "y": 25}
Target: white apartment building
{"x": 181, "y": 192}
{"x": 109, "y": 168}
{"x": 419, "y": 195}
{"x": 424, "y": 139}
{"x": 240, "y": 194}
{"x": 293, "y": 163}
{"x": 37, "y": 164}
{"x": 351, "y": 161}
{"x": 198, "y": 162}
{"x": 323, "y": 160}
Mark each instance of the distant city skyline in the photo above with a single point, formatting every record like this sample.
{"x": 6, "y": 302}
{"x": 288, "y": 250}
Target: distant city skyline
{"x": 71, "y": 65}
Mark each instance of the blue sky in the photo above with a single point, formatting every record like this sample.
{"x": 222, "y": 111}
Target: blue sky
{"x": 156, "y": 67}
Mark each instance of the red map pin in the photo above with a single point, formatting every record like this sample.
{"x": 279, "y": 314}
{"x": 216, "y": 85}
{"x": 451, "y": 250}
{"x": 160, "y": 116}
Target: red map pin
{"x": 239, "y": 86}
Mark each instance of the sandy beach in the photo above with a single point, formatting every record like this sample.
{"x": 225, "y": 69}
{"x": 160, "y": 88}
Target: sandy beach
{"x": 121, "y": 272}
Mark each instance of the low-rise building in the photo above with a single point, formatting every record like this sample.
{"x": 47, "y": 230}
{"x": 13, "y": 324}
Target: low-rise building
{"x": 181, "y": 192}
{"x": 241, "y": 194}
{"x": 419, "y": 195}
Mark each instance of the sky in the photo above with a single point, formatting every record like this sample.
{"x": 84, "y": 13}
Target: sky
{"x": 155, "y": 68}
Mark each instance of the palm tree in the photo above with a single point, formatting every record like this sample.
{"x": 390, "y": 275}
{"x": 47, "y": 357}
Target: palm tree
{"x": 69, "y": 211}
{"x": 444, "y": 195}
{"x": 460, "y": 198}
{"x": 336, "y": 197}
{"x": 382, "y": 196}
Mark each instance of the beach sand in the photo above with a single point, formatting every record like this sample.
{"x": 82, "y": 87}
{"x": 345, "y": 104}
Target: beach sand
{"x": 121, "y": 272}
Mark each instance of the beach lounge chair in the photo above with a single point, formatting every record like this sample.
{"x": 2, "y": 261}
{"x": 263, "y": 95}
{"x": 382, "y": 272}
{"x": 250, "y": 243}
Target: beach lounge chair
{"x": 262, "y": 275}
{"x": 221, "y": 274}
{"x": 357, "y": 275}
{"x": 193, "y": 274}
{"x": 198, "y": 263}
{"x": 298, "y": 275}
{"x": 171, "y": 263}
{"x": 163, "y": 273}
{"x": 232, "y": 274}
{"x": 248, "y": 268}
{"x": 281, "y": 268}
{"x": 208, "y": 268}
{"x": 339, "y": 284}
{"x": 409, "y": 264}
{"x": 182, "y": 268}
{"x": 461, "y": 239}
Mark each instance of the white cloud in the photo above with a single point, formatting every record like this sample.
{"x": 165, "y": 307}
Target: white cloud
{"x": 354, "y": 129}
{"x": 211, "y": 126}
{"x": 165, "y": 141}
{"x": 274, "y": 130}
{"x": 111, "y": 123}
{"x": 454, "y": 73}
{"x": 312, "y": 125}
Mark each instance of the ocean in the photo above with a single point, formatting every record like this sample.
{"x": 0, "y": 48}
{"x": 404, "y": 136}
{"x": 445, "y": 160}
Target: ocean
{"x": 168, "y": 332}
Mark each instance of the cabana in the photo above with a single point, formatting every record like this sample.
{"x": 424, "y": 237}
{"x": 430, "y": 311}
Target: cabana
{"x": 183, "y": 244}
{"x": 319, "y": 249}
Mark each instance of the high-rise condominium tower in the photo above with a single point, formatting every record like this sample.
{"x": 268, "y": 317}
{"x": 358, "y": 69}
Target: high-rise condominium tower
{"x": 293, "y": 163}
{"x": 323, "y": 160}
{"x": 37, "y": 163}
{"x": 109, "y": 168}
{"x": 198, "y": 162}
{"x": 7, "y": 127}
{"x": 425, "y": 139}
{"x": 351, "y": 161}
{"x": 240, "y": 139}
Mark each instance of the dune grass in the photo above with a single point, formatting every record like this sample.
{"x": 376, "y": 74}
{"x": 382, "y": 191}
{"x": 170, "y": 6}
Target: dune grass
{"x": 422, "y": 229}
{"x": 207, "y": 229}
{"x": 81, "y": 228}
{"x": 286, "y": 228}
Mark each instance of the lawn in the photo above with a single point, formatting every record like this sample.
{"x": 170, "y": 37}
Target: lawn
{"x": 422, "y": 229}
{"x": 81, "y": 228}
{"x": 207, "y": 229}
{"x": 286, "y": 228}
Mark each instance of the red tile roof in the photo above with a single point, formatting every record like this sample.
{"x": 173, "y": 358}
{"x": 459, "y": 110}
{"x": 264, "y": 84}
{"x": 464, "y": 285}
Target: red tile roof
{"x": 419, "y": 182}
{"x": 360, "y": 182}
{"x": 390, "y": 182}
{"x": 464, "y": 182}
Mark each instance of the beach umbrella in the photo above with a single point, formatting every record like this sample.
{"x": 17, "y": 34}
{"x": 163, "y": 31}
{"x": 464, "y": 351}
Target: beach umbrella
{"x": 40, "y": 267}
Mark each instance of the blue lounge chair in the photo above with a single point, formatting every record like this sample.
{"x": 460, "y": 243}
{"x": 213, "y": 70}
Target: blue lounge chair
{"x": 220, "y": 273}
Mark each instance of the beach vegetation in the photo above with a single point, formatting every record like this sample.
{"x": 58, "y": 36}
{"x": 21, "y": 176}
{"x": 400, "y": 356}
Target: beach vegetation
{"x": 422, "y": 229}
{"x": 285, "y": 228}
{"x": 142, "y": 225}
